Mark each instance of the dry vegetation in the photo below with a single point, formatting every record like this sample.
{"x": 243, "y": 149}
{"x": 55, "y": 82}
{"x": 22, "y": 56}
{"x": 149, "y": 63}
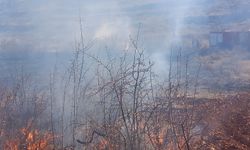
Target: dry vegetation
{"x": 132, "y": 109}
{"x": 121, "y": 104}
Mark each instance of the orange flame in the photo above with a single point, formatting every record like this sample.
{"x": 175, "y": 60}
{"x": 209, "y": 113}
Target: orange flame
{"x": 157, "y": 139}
{"x": 30, "y": 140}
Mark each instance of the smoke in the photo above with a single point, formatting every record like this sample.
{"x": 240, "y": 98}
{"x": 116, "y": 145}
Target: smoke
{"x": 38, "y": 38}
{"x": 53, "y": 26}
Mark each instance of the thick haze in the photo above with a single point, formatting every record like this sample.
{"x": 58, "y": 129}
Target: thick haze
{"x": 53, "y": 25}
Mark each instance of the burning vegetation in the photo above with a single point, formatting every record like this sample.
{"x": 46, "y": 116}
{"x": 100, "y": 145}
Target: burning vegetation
{"x": 131, "y": 110}
{"x": 121, "y": 103}
{"x": 30, "y": 140}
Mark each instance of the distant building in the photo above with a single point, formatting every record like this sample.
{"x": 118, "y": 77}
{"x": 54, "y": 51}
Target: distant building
{"x": 230, "y": 39}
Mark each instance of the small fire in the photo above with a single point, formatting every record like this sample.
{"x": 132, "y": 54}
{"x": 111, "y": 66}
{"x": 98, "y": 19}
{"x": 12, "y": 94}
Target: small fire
{"x": 30, "y": 140}
{"x": 105, "y": 144}
{"x": 158, "y": 139}
{"x": 12, "y": 145}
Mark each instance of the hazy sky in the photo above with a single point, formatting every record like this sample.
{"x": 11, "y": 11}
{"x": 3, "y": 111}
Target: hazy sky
{"x": 53, "y": 25}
